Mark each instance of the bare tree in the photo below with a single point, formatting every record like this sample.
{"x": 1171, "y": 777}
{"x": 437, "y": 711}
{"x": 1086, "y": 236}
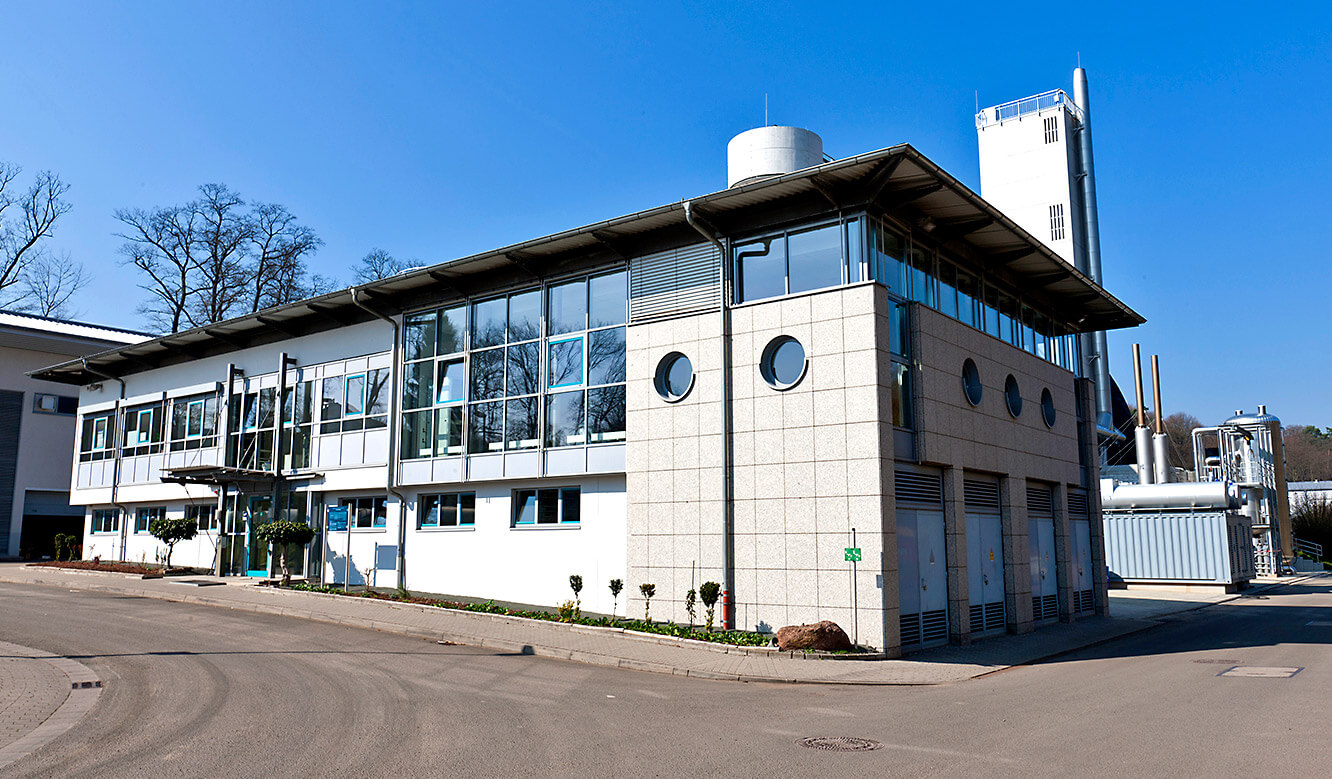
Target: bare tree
{"x": 213, "y": 258}
{"x": 375, "y": 265}
{"x": 1179, "y": 429}
{"x": 49, "y": 282}
{"x": 225, "y": 234}
{"x": 38, "y": 209}
{"x": 279, "y": 245}
{"x": 161, "y": 243}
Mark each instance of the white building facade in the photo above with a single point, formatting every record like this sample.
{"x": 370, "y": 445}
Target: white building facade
{"x": 36, "y": 429}
{"x": 739, "y": 388}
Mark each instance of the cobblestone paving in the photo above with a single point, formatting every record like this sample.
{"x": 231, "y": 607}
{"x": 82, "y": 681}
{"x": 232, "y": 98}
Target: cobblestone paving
{"x": 31, "y": 689}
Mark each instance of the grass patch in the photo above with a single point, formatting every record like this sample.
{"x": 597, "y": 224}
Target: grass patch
{"x": 731, "y": 637}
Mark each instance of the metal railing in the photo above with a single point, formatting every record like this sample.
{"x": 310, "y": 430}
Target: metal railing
{"x": 1027, "y": 105}
{"x": 1309, "y": 548}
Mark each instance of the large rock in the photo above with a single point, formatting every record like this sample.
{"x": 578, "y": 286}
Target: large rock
{"x": 823, "y": 636}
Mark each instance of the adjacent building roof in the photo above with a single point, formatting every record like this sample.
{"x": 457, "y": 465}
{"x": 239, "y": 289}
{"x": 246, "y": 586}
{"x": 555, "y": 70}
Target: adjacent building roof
{"x": 898, "y": 180}
{"x": 61, "y": 336}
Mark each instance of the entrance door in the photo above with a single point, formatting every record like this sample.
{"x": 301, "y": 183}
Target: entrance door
{"x": 922, "y": 572}
{"x": 1044, "y": 582}
{"x": 1082, "y": 588}
{"x": 260, "y": 513}
{"x": 985, "y": 566}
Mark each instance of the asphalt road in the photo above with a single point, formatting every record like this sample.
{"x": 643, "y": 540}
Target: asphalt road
{"x": 199, "y": 691}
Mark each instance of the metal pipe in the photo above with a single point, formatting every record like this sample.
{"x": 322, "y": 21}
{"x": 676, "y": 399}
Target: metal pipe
{"x": 1160, "y": 442}
{"x": 728, "y": 518}
{"x": 1101, "y": 366}
{"x": 1156, "y": 395}
{"x": 115, "y": 457}
{"x": 392, "y": 477}
{"x": 1142, "y": 436}
{"x": 1207, "y": 494}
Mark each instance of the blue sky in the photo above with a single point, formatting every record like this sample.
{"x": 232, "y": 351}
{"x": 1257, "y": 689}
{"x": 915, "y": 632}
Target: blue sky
{"x": 435, "y": 130}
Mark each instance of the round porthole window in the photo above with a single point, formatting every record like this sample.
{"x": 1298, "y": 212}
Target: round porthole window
{"x": 783, "y": 364}
{"x": 1047, "y": 407}
{"x": 675, "y": 377}
{"x": 1013, "y": 396}
{"x": 971, "y": 383}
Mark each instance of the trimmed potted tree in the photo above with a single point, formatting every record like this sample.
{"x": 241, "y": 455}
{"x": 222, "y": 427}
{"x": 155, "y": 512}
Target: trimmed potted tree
{"x": 171, "y": 531}
{"x": 280, "y": 533}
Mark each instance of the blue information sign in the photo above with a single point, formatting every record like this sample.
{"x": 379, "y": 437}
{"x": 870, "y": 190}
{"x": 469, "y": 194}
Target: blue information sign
{"x": 337, "y": 518}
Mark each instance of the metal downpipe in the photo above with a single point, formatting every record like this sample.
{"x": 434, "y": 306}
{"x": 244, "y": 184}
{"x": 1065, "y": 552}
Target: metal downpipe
{"x": 728, "y": 518}
{"x": 391, "y": 478}
{"x": 115, "y": 458}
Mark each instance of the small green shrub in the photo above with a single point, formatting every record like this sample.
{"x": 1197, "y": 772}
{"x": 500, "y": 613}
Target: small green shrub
{"x": 616, "y": 587}
{"x": 691, "y": 599}
{"x": 568, "y": 611}
{"x": 648, "y": 591}
{"x": 710, "y": 591}
{"x": 576, "y": 584}
{"x": 64, "y": 545}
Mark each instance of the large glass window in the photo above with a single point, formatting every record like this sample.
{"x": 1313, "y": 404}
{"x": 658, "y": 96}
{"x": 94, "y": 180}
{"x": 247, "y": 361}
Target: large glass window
{"x": 555, "y": 506}
{"x": 814, "y": 258}
{"x": 366, "y": 512}
{"x": 797, "y": 261}
{"x": 143, "y": 430}
{"x": 194, "y": 422}
{"x": 106, "y": 520}
{"x": 514, "y": 375}
{"x": 258, "y": 417}
{"x": 205, "y": 515}
{"x": 454, "y": 509}
{"x": 144, "y": 517}
{"x": 887, "y": 251}
{"x": 97, "y": 438}
{"x": 356, "y": 401}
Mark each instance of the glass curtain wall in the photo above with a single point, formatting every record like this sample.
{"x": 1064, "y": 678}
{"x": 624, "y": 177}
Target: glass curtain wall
{"x": 537, "y": 367}
{"x": 254, "y": 424}
{"x": 922, "y": 274}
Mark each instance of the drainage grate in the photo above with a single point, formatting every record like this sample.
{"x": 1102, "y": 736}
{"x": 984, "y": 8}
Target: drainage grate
{"x": 1214, "y": 661}
{"x": 1262, "y": 672}
{"x": 839, "y": 744}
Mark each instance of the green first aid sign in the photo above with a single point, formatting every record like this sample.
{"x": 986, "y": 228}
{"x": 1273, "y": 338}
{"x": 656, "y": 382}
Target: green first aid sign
{"x": 853, "y": 554}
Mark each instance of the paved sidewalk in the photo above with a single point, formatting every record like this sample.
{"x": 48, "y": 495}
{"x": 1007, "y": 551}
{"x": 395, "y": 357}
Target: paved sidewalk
{"x": 41, "y": 696}
{"x": 610, "y": 646}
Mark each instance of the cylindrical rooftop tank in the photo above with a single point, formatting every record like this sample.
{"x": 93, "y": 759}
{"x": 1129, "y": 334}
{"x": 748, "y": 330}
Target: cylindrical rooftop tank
{"x": 1261, "y": 418}
{"x": 770, "y": 151}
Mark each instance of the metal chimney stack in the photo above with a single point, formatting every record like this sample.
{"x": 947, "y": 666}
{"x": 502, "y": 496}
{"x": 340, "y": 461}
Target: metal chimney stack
{"x": 1099, "y": 353}
{"x": 1160, "y": 443}
{"x": 1142, "y": 436}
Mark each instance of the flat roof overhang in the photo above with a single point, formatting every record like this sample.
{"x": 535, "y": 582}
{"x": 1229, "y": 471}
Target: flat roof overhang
{"x": 898, "y": 181}
{"x": 218, "y": 475}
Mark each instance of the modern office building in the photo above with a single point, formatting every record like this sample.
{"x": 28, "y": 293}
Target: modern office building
{"x": 37, "y": 429}
{"x": 739, "y": 387}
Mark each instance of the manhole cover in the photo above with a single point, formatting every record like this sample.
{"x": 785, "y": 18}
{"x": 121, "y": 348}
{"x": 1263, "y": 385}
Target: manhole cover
{"x": 839, "y": 744}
